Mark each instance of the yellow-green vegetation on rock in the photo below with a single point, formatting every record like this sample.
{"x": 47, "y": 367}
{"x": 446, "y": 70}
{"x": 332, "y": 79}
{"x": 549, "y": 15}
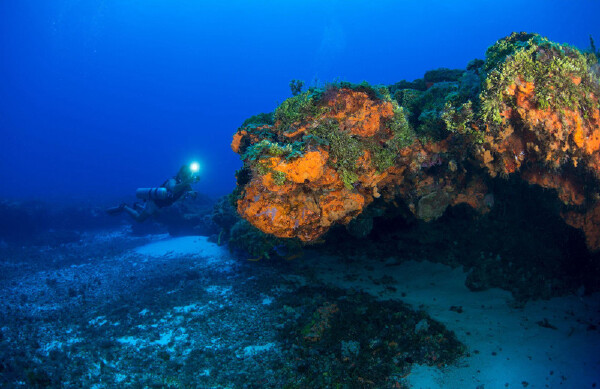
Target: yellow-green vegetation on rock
{"x": 343, "y": 147}
{"x": 267, "y": 148}
{"x": 461, "y": 120}
{"x": 428, "y": 109}
{"x": 259, "y": 120}
{"x": 443, "y": 75}
{"x": 263, "y": 151}
{"x": 551, "y": 67}
{"x": 295, "y": 109}
{"x": 384, "y": 156}
{"x": 408, "y": 98}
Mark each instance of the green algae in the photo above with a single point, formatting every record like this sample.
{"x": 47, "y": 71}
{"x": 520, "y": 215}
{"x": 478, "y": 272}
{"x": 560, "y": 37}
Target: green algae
{"x": 267, "y": 148}
{"x": 384, "y": 156}
{"x": 280, "y": 178}
{"x": 375, "y": 92}
{"x": 344, "y": 149}
{"x": 550, "y": 66}
{"x": 461, "y": 120}
{"x": 259, "y": 120}
{"x": 443, "y": 75}
{"x": 297, "y": 108}
{"x": 338, "y": 340}
{"x": 296, "y": 87}
{"x": 409, "y": 99}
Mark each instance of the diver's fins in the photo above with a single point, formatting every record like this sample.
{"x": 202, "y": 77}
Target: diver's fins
{"x": 115, "y": 210}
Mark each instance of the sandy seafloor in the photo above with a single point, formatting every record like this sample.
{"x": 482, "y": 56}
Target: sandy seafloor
{"x": 118, "y": 311}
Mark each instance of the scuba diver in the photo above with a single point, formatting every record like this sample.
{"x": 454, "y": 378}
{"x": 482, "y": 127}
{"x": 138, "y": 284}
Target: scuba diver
{"x": 163, "y": 196}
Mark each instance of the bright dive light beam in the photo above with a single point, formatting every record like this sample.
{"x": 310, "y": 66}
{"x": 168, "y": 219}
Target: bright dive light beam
{"x": 195, "y": 167}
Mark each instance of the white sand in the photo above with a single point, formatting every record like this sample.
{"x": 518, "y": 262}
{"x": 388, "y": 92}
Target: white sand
{"x": 197, "y": 246}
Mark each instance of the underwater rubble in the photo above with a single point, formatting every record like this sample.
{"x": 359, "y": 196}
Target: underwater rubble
{"x": 162, "y": 312}
{"x": 116, "y": 310}
{"x": 343, "y": 153}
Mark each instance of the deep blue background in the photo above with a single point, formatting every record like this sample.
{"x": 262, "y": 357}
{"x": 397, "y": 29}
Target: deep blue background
{"x": 100, "y": 97}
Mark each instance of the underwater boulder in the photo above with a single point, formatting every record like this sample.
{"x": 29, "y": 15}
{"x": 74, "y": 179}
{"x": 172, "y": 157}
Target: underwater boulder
{"x": 530, "y": 109}
{"x": 331, "y": 152}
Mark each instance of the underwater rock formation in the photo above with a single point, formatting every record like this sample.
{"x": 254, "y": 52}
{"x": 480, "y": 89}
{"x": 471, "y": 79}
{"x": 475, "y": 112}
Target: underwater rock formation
{"x": 540, "y": 111}
{"x": 330, "y": 153}
{"x": 530, "y": 109}
{"x": 321, "y": 160}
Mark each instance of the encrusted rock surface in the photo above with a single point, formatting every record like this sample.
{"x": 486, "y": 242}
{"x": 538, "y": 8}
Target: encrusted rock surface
{"x": 530, "y": 109}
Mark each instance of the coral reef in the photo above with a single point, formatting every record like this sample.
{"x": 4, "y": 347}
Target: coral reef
{"x": 530, "y": 109}
{"x": 247, "y": 240}
{"x": 331, "y": 152}
{"x": 539, "y": 108}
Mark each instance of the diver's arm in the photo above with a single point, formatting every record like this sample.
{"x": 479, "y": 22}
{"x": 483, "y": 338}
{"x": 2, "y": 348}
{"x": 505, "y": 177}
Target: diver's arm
{"x": 185, "y": 186}
{"x": 182, "y": 187}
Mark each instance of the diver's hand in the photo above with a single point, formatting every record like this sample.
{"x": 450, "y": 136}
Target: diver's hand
{"x": 191, "y": 180}
{"x": 191, "y": 194}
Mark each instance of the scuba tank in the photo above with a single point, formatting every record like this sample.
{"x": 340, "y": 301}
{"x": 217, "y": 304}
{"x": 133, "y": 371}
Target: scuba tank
{"x": 152, "y": 193}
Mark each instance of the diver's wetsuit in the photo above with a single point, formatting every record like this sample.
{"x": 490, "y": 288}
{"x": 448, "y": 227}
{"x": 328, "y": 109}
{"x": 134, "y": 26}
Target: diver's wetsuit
{"x": 172, "y": 194}
{"x": 176, "y": 187}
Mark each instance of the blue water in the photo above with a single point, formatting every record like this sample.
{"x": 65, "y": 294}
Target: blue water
{"x": 100, "y": 97}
